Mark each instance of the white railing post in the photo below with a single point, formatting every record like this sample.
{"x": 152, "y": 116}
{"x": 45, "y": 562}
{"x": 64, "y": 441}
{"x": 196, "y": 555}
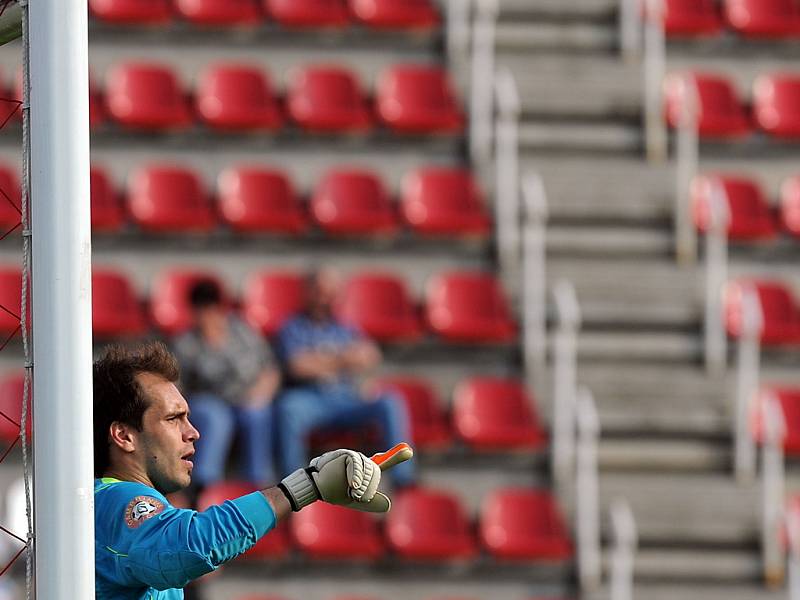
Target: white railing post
{"x": 716, "y": 270}
{"x": 564, "y": 381}
{"x": 457, "y": 36}
{"x": 630, "y": 29}
{"x": 507, "y": 192}
{"x": 653, "y": 71}
{"x": 748, "y": 364}
{"x": 624, "y": 552}
{"x": 686, "y": 168}
{"x": 793, "y": 531}
{"x": 773, "y": 487}
{"x": 586, "y": 491}
{"x": 534, "y": 289}
{"x": 481, "y": 93}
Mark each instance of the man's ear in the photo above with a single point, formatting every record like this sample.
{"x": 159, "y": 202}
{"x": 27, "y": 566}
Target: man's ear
{"x": 123, "y": 436}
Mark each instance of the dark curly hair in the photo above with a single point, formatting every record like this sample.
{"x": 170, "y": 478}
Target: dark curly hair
{"x": 117, "y": 393}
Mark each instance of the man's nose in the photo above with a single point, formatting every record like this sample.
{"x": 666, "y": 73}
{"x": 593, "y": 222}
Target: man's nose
{"x": 192, "y": 434}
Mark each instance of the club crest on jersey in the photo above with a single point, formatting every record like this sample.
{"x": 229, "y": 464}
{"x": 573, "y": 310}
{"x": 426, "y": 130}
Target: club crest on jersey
{"x": 140, "y": 509}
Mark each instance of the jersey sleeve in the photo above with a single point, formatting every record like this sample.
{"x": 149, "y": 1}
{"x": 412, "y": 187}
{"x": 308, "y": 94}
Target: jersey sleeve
{"x": 158, "y": 545}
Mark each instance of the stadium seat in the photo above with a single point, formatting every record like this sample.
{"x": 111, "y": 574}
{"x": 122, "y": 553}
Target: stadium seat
{"x": 146, "y": 96}
{"x": 776, "y": 105}
{"x": 169, "y": 298}
{"x": 262, "y": 200}
{"x": 763, "y": 18}
{"x": 328, "y": 531}
{"x": 468, "y": 307}
{"x": 116, "y": 310}
{"x": 430, "y": 525}
{"x": 430, "y": 429}
{"x": 523, "y": 524}
{"x": 720, "y": 113}
{"x": 353, "y": 202}
{"x": 380, "y": 306}
{"x": 443, "y": 201}
{"x": 11, "y": 389}
{"x": 779, "y": 311}
{"x": 691, "y": 17}
{"x": 269, "y": 298}
{"x": 169, "y": 199}
{"x": 96, "y": 111}
{"x": 789, "y": 400}
{"x": 107, "y": 214}
{"x": 749, "y": 215}
{"x": 237, "y": 97}
{"x": 10, "y": 199}
{"x": 390, "y": 14}
{"x": 273, "y": 545}
{"x": 308, "y": 13}
{"x": 327, "y": 99}
{"x": 219, "y": 12}
{"x": 10, "y": 300}
{"x": 131, "y": 12}
{"x": 417, "y": 99}
{"x": 790, "y": 205}
{"x": 492, "y": 413}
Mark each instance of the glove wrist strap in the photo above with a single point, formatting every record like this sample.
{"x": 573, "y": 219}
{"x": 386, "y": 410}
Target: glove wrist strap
{"x": 300, "y": 489}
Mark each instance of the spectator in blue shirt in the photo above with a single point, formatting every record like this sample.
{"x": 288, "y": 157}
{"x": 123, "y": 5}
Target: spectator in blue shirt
{"x": 321, "y": 358}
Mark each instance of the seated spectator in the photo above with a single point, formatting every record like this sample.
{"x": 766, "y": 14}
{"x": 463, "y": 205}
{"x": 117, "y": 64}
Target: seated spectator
{"x": 229, "y": 379}
{"x": 321, "y": 358}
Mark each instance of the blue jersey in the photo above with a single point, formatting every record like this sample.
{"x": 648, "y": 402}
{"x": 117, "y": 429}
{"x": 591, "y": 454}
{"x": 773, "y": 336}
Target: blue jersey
{"x": 146, "y": 549}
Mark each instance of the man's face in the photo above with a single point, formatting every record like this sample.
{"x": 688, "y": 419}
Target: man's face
{"x": 322, "y": 292}
{"x": 167, "y": 437}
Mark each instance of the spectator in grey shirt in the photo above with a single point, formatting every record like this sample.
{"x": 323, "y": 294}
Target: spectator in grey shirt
{"x": 229, "y": 378}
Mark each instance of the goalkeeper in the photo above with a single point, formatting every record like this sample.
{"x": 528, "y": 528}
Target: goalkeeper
{"x": 146, "y": 549}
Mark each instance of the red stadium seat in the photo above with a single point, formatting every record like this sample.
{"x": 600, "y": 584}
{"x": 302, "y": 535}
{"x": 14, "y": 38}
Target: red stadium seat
{"x": 327, "y": 99}
{"x": 749, "y": 215}
{"x": 273, "y": 545}
{"x": 131, "y": 12}
{"x": 390, "y": 14}
{"x": 720, "y": 113}
{"x": 328, "y": 531}
{"x": 417, "y": 99}
{"x": 271, "y": 297}
{"x": 790, "y": 205}
{"x": 169, "y": 199}
{"x": 523, "y": 524}
{"x": 146, "y": 96}
{"x": 219, "y": 12}
{"x": 468, "y": 307}
{"x": 107, "y": 214}
{"x": 429, "y": 426}
{"x": 11, "y": 390}
{"x": 257, "y": 199}
{"x": 789, "y": 400}
{"x": 308, "y": 13}
{"x": 776, "y": 105}
{"x": 116, "y": 310}
{"x": 691, "y": 17}
{"x": 763, "y": 18}
{"x": 353, "y": 202}
{"x": 430, "y": 525}
{"x": 10, "y": 300}
{"x": 444, "y": 201}
{"x": 380, "y": 306}
{"x": 779, "y": 311}
{"x": 237, "y": 97}
{"x": 491, "y": 413}
{"x": 10, "y": 200}
{"x": 169, "y": 298}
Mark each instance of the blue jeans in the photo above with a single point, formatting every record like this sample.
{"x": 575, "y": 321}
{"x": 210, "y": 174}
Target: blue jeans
{"x": 217, "y": 421}
{"x": 299, "y": 411}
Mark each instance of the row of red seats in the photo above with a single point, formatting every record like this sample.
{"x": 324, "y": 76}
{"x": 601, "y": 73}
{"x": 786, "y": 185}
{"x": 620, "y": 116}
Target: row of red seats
{"x": 750, "y": 217}
{"x": 239, "y": 97}
{"x": 517, "y": 524}
{"x": 748, "y": 18}
{"x": 780, "y": 311}
{"x": 255, "y": 199}
{"x": 459, "y": 306}
{"x": 721, "y": 114}
{"x": 488, "y": 413}
{"x": 378, "y": 14}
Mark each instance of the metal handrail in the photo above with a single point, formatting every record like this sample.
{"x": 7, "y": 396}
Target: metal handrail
{"x": 687, "y": 159}
{"x": 773, "y": 487}
{"x": 653, "y": 71}
{"x": 534, "y": 286}
{"x": 482, "y": 69}
{"x": 587, "y": 514}
{"x": 624, "y": 553}
{"x": 716, "y": 274}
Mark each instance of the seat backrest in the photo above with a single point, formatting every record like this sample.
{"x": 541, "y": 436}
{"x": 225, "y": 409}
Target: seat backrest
{"x": 232, "y": 85}
{"x": 10, "y": 299}
{"x": 11, "y": 388}
{"x": 776, "y": 97}
{"x": 219, "y": 12}
{"x": 10, "y": 198}
{"x": 349, "y": 191}
{"x": 131, "y": 11}
{"x": 422, "y": 513}
{"x": 271, "y": 297}
{"x": 521, "y": 511}
{"x": 368, "y": 294}
{"x": 145, "y": 94}
{"x": 325, "y": 86}
{"x": 440, "y": 188}
{"x": 106, "y": 210}
{"x": 480, "y": 402}
{"x": 468, "y": 293}
{"x": 747, "y": 208}
{"x": 169, "y": 197}
{"x": 415, "y": 86}
{"x": 790, "y": 204}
